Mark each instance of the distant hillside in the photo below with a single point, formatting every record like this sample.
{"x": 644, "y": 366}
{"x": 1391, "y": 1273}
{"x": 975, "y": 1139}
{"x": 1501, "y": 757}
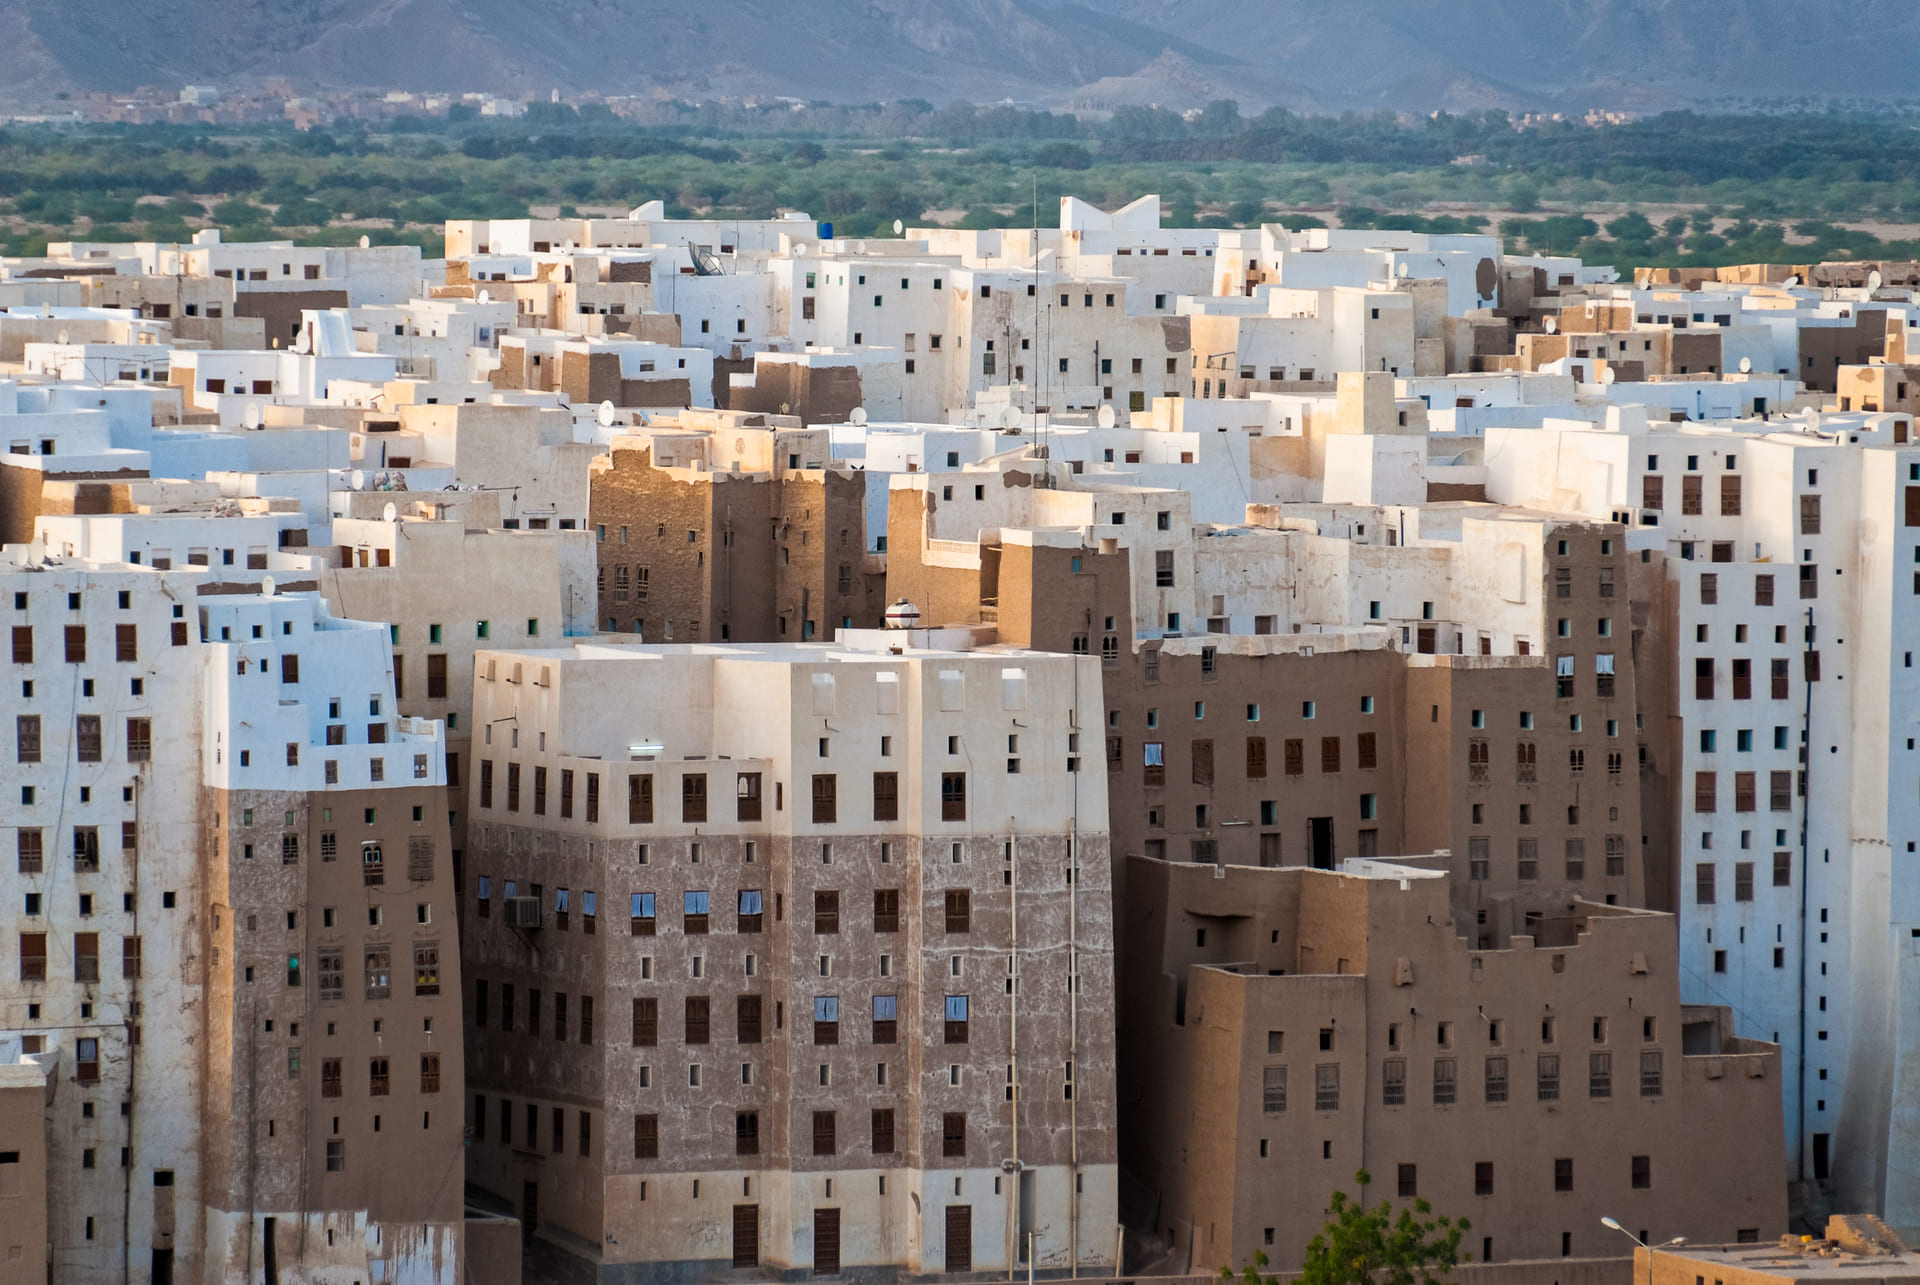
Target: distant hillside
{"x": 1330, "y": 55}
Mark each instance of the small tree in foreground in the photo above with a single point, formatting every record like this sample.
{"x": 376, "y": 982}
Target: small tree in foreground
{"x": 1363, "y": 1246}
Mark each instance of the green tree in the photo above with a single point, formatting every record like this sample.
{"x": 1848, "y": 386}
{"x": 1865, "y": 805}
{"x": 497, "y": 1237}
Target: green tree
{"x": 1371, "y": 1246}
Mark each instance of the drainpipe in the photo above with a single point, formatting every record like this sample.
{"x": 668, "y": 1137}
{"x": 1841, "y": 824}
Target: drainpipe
{"x": 1806, "y": 760}
{"x": 1013, "y": 1040}
{"x": 1073, "y": 994}
{"x": 133, "y": 1056}
{"x": 253, "y": 1102}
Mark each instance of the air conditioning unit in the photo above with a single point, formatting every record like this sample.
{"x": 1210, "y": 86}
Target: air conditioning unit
{"x": 523, "y": 912}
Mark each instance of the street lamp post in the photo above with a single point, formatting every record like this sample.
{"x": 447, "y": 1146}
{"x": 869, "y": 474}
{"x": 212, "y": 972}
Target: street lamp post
{"x": 1614, "y": 1224}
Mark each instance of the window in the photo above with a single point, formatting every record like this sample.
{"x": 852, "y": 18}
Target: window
{"x": 1650, "y": 1073}
{"x": 1599, "y": 1075}
{"x": 694, "y": 912}
{"x": 826, "y": 1019}
{"x": 1273, "y": 1089}
{"x": 333, "y": 978}
{"x": 1483, "y": 1177}
{"x": 1329, "y": 754}
{"x": 86, "y": 735}
{"x": 823, "y": 1133}
{"x": 1703, "y": 879}
{"x": 886, "y": 796}
{"x": 1642, "y": 1172}
{"x": 330, "y": 1077}
{"x": 750, "y": 911}
{"x": 1563, "y": 1173}
{"x": 746, "y": 1019}
{"x": 646, "y": 1137}
{"x": 959, "y": 910}
{"x": 1393, "y": 1082}
{"x": 886, "y": 910}
{"x": 426, "y": 968}
{"x": 646, "y": 1022}
{"x": 826, "y": 806}
{"x": 379, "y": 1083}
{"x": 883, "y": 1131}
{"x": 379, "y": 972}
{"x": 956, "y": 1019}
{"x": 1445, "y": 1081}
{"x": 693, "y": 798}
{"x": 1496, "y": 1080}
{"x": 640, "y": 913}
{"x": 953, "y": 1133}
{"x": 1326, "y": 1087}
{"x": 826, "y": 912}
{"x": 746, "y": 1133}
{"x": 1548, "y": 1081}
{"x": 885, "y": 1018}
{"x": 698, "y": 1019}
{"x": 953, "y": 796}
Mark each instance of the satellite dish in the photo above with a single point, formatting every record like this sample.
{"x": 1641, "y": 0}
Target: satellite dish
{"x": 46, "y": 310}
{"x": 267, "y": 586}
{"x": 604, "y": 416}
{"x": 797, "y": 251}
{"x": 1873, "y": 282}
{"x": 1790, "y": 282}
{"x": 1009, "y": 416}
{"x": 1746, "y": 365}
{"x": 857, "y": 416}
{"x": 1402, "y": 271}
{"x": 250, "y": 416}
{"x": 1105, "y": 417}
{"x": 1551, "y": 326}
{"x": 358, "y": 479}
{"x": 63, "y": 337}
{"x": 1813, "y": 420}
{"x": 1608, "y": 375}
{"x": 898, "y": 227}
{"x": 485, "y": 296}
{"x": 390, "y": 512}
{"x": 365, "y": 241}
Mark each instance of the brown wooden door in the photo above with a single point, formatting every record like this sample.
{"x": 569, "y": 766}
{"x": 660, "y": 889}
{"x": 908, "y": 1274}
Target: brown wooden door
{"x": 959, "y": 1238}
{"x": 826, "y": 1242}
{"x": 746, "y": 1235}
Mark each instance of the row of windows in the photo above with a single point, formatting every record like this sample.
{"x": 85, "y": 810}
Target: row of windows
{"x": 1782, "y": 788}
{"x": 126, "y": 642}
{"x": 1741, "y": 672}
{"x": 379, "y": 1074}
{"x": 697, "y": 1017}
{"x": 86, "y": 957}
{"x": 746, "y": 1132}
{"x": 694, "y": 801}
{"x": 1706, "y": 879}
{"x": 749, "y": 1019}
{"x": 377, "y": 975}
{"x": 1201, "y": 757}
{"x": 1640, "y": 1172}
{"x": 530, "y": 1130}
{"x": 534, "y": 1021}
{"x": 1445, "y": 1084}
{"x": 31, "y": 852}
{"x": 1526, "y": 854}
{"x": 750, "y": 908}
